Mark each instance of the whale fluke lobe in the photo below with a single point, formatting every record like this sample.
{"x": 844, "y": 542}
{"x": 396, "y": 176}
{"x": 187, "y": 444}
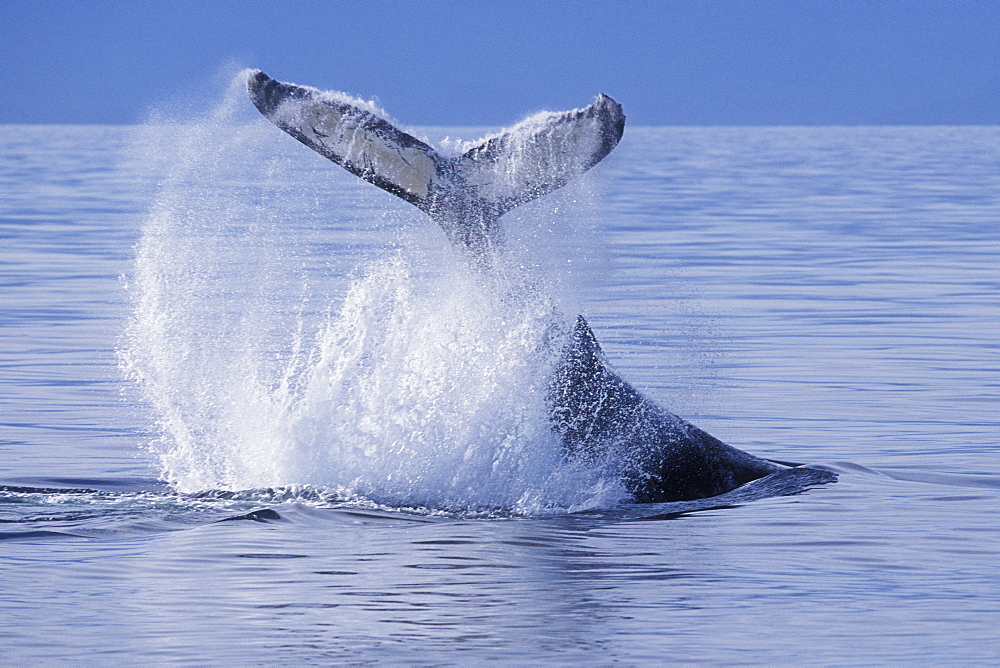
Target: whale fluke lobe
{"x": 351, "y": 135}
{"x": 464, "y": 194}
{"x": 541, "y": 153}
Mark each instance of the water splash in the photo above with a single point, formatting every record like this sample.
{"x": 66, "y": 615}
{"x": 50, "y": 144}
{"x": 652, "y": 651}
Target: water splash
{"x": 289, "y": 328}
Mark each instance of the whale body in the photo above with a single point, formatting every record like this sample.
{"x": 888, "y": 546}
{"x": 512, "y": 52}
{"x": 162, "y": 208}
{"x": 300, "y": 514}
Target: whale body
{"x": 600, "y": 417}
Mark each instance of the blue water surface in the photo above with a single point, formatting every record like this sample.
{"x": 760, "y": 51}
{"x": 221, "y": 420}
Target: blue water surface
{"x": 820, "y": 295}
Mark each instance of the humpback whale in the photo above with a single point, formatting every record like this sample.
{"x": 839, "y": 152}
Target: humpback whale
{"x": 599, "y": 416}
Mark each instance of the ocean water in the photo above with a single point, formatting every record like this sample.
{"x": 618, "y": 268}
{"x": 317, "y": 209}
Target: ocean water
{"x": 253, "y": 411}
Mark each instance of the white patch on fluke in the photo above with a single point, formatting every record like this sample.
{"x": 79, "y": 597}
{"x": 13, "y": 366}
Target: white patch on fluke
{"x": 408, "y": 168}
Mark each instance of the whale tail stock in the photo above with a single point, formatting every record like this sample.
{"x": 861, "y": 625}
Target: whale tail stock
{"x": 660, "y": 456}
{"x": 466, "y": 193}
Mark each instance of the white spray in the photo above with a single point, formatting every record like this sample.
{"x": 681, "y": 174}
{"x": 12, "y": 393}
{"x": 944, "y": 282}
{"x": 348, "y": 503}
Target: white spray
{"x": 397, "y": 380}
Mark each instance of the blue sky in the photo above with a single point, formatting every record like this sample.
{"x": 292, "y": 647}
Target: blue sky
{"x": 687, "y": 62}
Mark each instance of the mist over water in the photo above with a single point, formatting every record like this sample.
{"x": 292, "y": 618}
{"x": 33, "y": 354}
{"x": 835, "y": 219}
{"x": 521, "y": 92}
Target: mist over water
{"x": 403, "y": 375}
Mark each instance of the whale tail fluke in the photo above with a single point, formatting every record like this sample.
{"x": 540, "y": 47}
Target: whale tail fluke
{"x": 534, "y": 157}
